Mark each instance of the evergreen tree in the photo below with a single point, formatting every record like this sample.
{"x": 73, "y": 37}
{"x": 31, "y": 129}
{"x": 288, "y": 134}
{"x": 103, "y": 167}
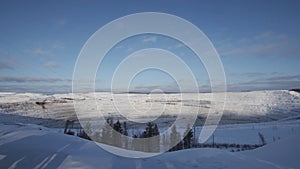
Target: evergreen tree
{"x": 117, "y": 134}
{"x": 187, "y": 140}
{"x": 165, "y": 142}
{"x": 110, "y": 122}
{"x": 82, "y": 134}
{"x": 136, "y": 144}
{"x": 125, "y": 133}
{"x": 147, "y": 143}
{"x": 88, "y": 128}
{"x": 149, "y": 130}
{"x": 97, "y": 136}
{"x": 155, "y": 130}
{"x": 175, "y": 139}
{"x": 86, "y": 132}
{"x": 125, "y": 129}
{"x": 107, "y": 132}
{"x": 152, "y": 143}
{"x": 156, "y": 141}
{"x": 118, "y": 127}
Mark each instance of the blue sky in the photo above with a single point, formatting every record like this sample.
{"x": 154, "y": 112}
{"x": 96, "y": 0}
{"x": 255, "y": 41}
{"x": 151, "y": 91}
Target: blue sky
{"x": 258, "y": 42}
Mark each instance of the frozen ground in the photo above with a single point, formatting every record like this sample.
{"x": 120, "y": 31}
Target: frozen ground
{"x": 32, "y": 146}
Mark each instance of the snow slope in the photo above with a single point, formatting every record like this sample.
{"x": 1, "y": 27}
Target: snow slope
{"x": 32, "y": 146}
{"x": 283, "y": 153}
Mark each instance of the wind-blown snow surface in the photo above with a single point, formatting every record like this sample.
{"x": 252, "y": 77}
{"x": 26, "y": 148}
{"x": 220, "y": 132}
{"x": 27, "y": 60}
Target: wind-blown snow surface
{"x": 32, "y": 146}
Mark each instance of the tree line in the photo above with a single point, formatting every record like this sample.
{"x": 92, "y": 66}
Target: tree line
{"x": 148, "y": 140}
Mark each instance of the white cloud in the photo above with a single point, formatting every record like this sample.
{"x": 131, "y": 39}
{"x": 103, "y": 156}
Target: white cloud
{"x": 60, "y": 22}
{"x": 31, "y": 79}
{"x": 39, "y": 52}
{"x": 264, "y": 44}
{"x": 269, "y": 82}
{"x": 139, "y": 55}
{"x": 248, "y": 74}
{"x": 58, "y": 45}
{"x": 264, "y": 35}
{"x": 48, "y": 88}
{"x": 119, "y": 47}
{"x": 51, "y": 64}
{"x": 150, "y": 39}
{"x": 176, "y": 46}
{"x": 46, "y": 51}
{"x": 256, "y": 49}
{"x": 179, "y": 45}
{"x": 6, "y": 65}
{"x": 129, "y": 49}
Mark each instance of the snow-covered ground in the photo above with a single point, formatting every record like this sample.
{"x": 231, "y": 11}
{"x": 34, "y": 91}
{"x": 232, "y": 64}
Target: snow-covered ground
{"x": 240, "y": 107}
{"x": 248, "y": 133}
{"x": 25, "y": 142}
{"x": 32, "y": 146}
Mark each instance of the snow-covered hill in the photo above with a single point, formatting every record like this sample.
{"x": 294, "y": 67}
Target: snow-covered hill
{"x": 31, "y": 146}
{"x": 256, "y": 106}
